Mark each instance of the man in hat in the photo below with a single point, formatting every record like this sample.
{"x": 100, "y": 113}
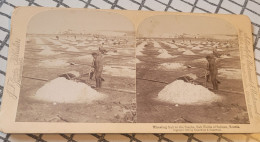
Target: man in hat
{"x": 212, "y": 71}
{"x": 98, "y": 68}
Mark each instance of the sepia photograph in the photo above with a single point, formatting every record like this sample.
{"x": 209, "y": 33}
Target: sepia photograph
{"x": 188, "y": 71}
{"x": 79, "y": 66}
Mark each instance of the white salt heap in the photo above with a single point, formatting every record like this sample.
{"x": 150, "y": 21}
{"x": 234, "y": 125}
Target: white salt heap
{"x": 171, "y": 45}
{"x": 181, "y": 49}
{"x": 137, "y": 60}
{"x": 180, "y": 92}
{"x": 61, "y": 90}
{"x": 156, "y": 44}
{"x": 140, "y": 48}
{"x": 188, "y": 52}
{"x": 206, "y": 52}
{"x": 164, "y": 54}
{"x": 171, "y": 66}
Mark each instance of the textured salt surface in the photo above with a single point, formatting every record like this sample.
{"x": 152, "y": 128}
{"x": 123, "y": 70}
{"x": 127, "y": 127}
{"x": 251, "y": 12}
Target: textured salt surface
{"x": 180, "y": 92}
{"x": 61, "y": 90}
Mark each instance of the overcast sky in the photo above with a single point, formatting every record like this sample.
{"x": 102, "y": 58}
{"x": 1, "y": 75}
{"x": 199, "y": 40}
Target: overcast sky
{"x": 55, "y": 21}
{"x": 172, "y": 24}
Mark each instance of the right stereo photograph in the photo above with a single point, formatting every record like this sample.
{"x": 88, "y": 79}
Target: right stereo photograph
{"x": 188, "y": 71}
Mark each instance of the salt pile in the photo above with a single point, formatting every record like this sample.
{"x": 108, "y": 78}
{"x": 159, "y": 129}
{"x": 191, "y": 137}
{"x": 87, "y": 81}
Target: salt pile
{"x": 180, "y": 92}
{"x": 156, "y": 44}
{"x": 188, "y": 52}
{"x": 164, "y": 54}
{"x": 189, "y": 46}
{"x": 122, "y": 71}
{"x": 171, "y": 66}
{"x": 181, "y": 49}
{"x": 229, "y": 73}
{"x": 39, "y": 41}
{"x": 47, "y": 51}
{"x": 53, "y": 63}
{"x": 140, "y": 48}
{"x": 206, "y": 52}
{"x": 72, "y": 49}
{"x": 61, "y": 90}
{"x": 137, "y": 60}
{"x": 171, "y": 45}
{"x": 196, "y": 48}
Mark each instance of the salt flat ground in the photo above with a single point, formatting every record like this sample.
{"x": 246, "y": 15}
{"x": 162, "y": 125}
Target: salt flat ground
{"x": 47, "y": 57}
{"x": 187, "y": 58}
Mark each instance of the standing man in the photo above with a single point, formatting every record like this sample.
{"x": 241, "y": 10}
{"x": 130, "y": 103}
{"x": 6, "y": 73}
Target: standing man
{"x": 212, "y": 71}
{"x": 98, "y": 68}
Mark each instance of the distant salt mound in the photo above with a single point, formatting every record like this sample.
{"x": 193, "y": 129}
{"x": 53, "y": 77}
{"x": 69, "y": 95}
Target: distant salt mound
{"x": 72, "y": 49}
{"x": 188, "y": 52}
{"x": 196, "y": 48}
{"x": 120, "y": 71}
{"x": 171, "y": 45}
{"x": 206, "y": 52}
{"x": 53, "y": 63}
{"x": 156, "y": 44}
{"x": 189, "y": 46}
{"x": 229, "y": 73}
{"x": 180, "y": 92}
{"x": 181, "y": 49}
{"x": 164, "y": 54}
{"x": 47, "y": 51}
{"x": 140, "y": 48}
{"x": 137, "y": 60}
{"x": 61, "y": 90}
{"x": 171, "y": 66}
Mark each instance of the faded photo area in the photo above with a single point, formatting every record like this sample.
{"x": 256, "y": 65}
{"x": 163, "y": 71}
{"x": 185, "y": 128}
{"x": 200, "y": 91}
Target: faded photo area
{"x": 188, "y": 71}
{"x": 79, "y": 66}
